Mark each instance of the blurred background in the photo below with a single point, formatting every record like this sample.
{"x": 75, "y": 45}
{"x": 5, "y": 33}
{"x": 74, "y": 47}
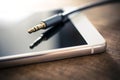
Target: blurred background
{"x": 12, "y": 10}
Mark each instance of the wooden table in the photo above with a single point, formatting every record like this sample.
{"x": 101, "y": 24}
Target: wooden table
{"x": 104, "y": 66}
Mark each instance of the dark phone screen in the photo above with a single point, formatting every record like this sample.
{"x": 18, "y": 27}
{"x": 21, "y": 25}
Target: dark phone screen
{"x": 14, "y": 38}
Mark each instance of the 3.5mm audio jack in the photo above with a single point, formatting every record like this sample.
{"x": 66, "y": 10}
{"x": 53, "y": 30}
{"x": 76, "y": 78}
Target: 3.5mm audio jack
{"x": 47, "y": 23}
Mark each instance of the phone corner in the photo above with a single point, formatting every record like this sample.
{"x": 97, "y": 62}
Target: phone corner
{"x": 99, "y": 48}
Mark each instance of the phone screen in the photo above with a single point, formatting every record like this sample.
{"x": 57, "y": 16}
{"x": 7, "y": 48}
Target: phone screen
{"x": 14, "y": 38}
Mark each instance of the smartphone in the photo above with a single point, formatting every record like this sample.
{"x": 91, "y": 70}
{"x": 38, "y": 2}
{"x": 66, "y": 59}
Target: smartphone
{"x": 76, "y": 37}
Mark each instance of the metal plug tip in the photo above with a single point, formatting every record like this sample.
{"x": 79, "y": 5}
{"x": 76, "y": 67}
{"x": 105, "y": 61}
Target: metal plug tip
{"x": 31, "y": 30}
{"x": 31, "y": 46}
{"x": 37, "y": 27}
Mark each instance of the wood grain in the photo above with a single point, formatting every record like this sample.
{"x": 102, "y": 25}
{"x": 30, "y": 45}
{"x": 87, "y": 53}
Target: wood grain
{"x": 104, "y": 66}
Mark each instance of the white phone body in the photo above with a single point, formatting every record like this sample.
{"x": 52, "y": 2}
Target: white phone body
{"x": 96, "y": 44}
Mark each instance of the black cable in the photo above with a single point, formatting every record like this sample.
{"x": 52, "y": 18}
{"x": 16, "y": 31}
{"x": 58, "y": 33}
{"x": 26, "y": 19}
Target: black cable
{"x": 91, "y": 5}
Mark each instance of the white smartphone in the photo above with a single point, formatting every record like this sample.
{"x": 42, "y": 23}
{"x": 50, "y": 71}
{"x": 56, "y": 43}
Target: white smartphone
{"x": 77, "y": 37}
